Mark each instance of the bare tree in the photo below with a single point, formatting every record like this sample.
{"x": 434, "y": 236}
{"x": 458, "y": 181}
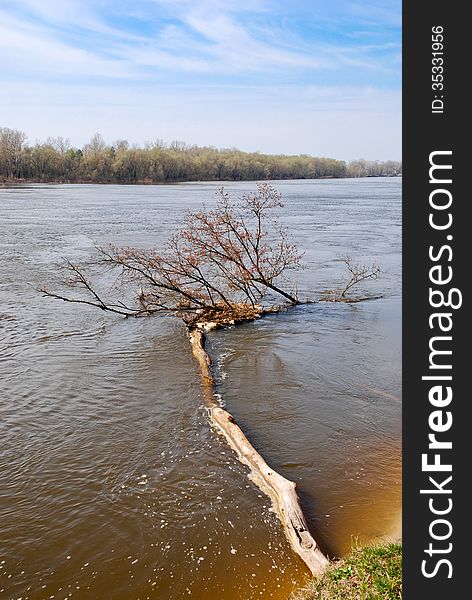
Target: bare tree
{"x": 96, "y": 145}
{"x": 222, "y": 263}
{"x": 358, "y": 273}
{"x": 60, "y": 144}
{"x": 11, "y": 145}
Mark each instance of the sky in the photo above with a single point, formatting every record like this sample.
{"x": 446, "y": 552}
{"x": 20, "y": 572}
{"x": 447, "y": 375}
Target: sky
{"x": 319, "y": 77}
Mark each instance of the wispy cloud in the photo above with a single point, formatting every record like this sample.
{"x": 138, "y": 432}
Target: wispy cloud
{"x": 29, "y": 51}
{"x": 314, "y": 57}
{"x": 213, "y": 36}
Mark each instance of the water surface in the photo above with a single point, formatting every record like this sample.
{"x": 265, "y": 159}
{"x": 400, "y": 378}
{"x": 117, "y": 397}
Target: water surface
{"x": 113, "y": 485}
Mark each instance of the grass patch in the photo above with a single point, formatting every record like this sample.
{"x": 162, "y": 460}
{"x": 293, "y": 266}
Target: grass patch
{"x": 369, "y": 573}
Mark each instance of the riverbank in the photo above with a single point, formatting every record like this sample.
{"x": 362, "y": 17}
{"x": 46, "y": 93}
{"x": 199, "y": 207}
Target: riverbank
{"x": 56, "y": 160}
{"x": 18, "y": 183}
{"x": 369, "y": 572}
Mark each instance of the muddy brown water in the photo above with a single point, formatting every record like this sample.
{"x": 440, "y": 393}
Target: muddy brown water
{"x": 112, "y": 483}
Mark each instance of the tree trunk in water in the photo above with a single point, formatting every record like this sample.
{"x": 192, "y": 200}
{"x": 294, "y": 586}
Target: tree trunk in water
{"x": 292, "y": 299}
{"x": 281, "y": 491}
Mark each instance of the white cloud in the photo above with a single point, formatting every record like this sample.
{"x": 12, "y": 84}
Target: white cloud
{"x": 29, "y": 50}
{"x": 135, "y": 63}
{"x": 206, "y": 36}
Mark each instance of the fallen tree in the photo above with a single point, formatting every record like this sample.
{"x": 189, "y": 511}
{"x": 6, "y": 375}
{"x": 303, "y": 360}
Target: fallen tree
{"x": 227, "y": 265}
{"x": 280, "y": 490}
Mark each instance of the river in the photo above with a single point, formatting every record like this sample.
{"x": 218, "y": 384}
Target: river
{"x": 113, "y": 484}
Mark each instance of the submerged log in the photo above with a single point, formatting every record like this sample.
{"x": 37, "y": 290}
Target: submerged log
{"x": 281, "y": 491}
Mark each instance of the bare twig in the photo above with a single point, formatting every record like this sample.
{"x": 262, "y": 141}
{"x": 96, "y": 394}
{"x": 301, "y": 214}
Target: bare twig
{"x": 358, "y": 273}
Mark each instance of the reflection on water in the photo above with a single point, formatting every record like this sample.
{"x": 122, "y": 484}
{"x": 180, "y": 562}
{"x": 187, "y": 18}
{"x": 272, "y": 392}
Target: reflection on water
{"x": 113, "y": 485}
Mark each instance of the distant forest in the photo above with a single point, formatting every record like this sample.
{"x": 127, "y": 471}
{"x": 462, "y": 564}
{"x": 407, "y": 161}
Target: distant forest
{"x": 57, "y": 161}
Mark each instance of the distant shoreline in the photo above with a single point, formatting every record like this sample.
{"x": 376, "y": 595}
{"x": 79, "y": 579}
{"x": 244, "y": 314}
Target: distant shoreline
{"x": 12, "y": 183}
{"x": 57, "y": 161}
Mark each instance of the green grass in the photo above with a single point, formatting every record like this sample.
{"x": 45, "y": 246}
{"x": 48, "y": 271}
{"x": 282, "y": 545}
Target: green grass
{"x": 369, "y": 573}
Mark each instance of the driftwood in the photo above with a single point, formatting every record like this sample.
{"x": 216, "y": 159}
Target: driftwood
{"x": 281, "y": 491}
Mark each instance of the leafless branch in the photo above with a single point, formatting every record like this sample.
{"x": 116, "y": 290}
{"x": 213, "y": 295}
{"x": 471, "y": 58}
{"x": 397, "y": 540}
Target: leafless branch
{"x": 221, "y": 259}
{"x": 358, "y": 273}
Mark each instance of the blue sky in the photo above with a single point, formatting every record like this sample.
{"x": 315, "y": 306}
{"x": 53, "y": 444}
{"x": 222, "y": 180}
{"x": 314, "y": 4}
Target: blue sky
{"x": 321, "y": 77}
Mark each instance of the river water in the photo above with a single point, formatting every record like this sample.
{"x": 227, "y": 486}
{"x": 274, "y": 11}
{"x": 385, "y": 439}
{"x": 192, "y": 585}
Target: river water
{"x": 112, "y": 483}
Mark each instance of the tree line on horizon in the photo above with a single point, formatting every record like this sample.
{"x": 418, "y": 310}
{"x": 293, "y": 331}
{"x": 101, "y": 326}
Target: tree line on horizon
{"x": 57, "y": 161}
